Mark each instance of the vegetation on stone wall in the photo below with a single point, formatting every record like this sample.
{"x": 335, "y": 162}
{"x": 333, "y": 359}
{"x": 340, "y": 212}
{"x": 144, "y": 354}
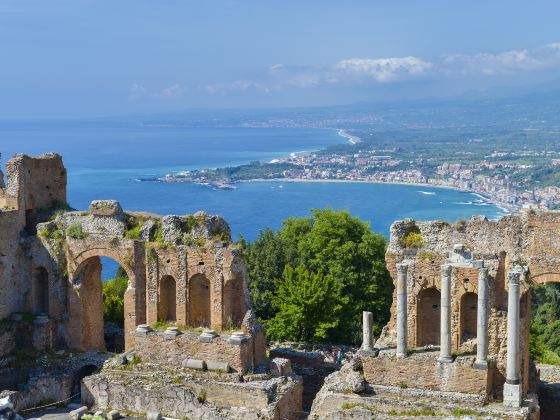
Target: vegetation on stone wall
{"x": 412, "y": 240}
{"x": 113, "y": 297}
{"x": 544, "y": 341}
{"x": 75, "y": 231}
{"x": 335, "y": 247}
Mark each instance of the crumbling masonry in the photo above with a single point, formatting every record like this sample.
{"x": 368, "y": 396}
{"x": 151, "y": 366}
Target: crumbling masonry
{"x": 183, "y": 272}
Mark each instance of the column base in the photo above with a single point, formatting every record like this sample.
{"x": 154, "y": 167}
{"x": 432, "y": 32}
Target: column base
{"x": 481, "y": 365}
{"x": 401, "y": 355}
{"x": 369, "y": 352}
{"x": 512, "y": 395}
{"x": 445, "y": 359}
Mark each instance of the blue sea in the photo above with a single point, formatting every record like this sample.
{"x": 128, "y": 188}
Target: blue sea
{"x": 105, "y": 159}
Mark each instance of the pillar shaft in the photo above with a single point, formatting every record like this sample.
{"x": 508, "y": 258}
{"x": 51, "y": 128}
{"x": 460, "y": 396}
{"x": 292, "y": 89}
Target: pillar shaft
{"x": 512, "y": 368}
{"x": 367, "y": 331}
{"x": 402, "y": 327}
{"x": 513, "y": 392}
{"x": 482, "y": 320}
{"x": 445, "y": 319}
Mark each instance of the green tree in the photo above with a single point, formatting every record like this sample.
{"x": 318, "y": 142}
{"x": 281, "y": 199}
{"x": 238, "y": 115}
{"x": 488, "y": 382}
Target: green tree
{"x": 265, "y": 262}
{"x": 334, "y": 245}
{"x": 113, "y": 297}
{"x": 308, "y": 306}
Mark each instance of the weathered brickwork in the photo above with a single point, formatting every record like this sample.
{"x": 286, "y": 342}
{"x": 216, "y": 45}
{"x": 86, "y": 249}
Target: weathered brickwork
{"x": 422, "y": 371}
{"x": 156, "y": 348}
{"x": 181, "y": 269}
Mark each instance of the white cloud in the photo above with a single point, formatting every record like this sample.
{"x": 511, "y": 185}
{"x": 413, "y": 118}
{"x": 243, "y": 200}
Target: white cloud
{"x": 379, "y": 70}
{"x": 506, "y": 62}
{"x": 385, "y": 69}
{"x": 173, "y": 91}
{"x": 136, "y": 91}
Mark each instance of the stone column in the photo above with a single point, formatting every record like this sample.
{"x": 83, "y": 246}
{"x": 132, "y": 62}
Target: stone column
{"x": 482, "y": 320}
{"x": 402, "y": 327}
{"x": 367, "y": 330}
{"x": 445, "y": 319}
{"x": 512, "y": 387}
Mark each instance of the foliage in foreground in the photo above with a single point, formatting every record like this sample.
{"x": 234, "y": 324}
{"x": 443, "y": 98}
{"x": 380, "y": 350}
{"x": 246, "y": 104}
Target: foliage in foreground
{"x": 333, "y": 247}
{"x": 113, "y": 298}
{"x": 544, "y": 340}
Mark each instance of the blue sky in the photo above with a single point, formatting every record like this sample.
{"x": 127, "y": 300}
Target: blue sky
{"x": 72, "y": 58}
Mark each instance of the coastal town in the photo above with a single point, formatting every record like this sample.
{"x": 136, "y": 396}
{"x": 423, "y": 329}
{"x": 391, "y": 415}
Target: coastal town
{"x": 498, "y": 176}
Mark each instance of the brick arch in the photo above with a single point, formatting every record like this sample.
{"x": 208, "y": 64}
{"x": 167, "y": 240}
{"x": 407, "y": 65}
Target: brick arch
{"x": 550, "y": 277}
{"x": 234, "y": 306}
{"x": 200, "y": 296}
{"x": 81, "y": 258}
{"x": 85, "y": 302}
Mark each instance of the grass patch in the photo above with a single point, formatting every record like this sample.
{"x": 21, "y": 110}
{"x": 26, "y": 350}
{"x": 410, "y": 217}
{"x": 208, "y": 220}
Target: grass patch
{"x": 161, "y": 325}
{"x": 351, "y": 405}
{"x": 75, "y": 231}
{"x": 413, "y": 413}
{"x": 202, "y": 396}
{"x": 550, "y": 358}
{"x": 464, "y": 412}
{"x": 51, "y": 234}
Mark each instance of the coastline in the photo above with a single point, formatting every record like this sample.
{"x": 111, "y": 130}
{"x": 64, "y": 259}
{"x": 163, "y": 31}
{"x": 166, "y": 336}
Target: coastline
{"x": 351, "y": 138}
{"x": 505, "y": 208}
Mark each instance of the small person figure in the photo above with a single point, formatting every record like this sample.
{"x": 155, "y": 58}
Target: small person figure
{"x": 340, "y": 356}
{"x": 334, "y": 356}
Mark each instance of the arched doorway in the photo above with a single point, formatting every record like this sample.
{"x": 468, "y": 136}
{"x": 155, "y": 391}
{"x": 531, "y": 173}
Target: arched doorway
{"x": 428, "y": 313}
{"x": 469, "y": 306}
{"x": 80, "y": 374}
{"x": 199, "y": 301}
{"x": 167, "y": 306}
{"x": 40, "y": 287}
{"x": 234, "y": 302}
{"x": 97, "y": 304}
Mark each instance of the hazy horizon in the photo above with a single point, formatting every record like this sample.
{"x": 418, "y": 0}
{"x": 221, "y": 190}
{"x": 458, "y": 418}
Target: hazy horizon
{"x": 80, "y": 59}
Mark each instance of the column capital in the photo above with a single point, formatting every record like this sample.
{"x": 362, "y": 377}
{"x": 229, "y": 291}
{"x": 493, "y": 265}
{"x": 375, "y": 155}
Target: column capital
{"x": 402, "y": 268}
{"x": 514, "y": 277}
{"x": 446, "y": 269}
{"x": 482, "y": 272}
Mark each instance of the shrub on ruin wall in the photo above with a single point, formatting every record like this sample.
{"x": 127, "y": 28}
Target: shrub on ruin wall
{"x": 75, "y": 231}
{"x": 412, "y": 240}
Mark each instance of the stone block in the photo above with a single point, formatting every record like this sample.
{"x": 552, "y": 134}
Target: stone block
{"x": 171, "y": 332}
{"x": 213, "y": 365}
{"x": 237, "y": 338}
{"x": 194, "y": 364}
{"x": 113, "y": 415}
{"x": 78, "y": 413}
{"x": 207, "y": 336}
{"x": 153, "y": 415}
{"x": 110, "y": 208}
{"x": 143, "y": 330}
{"x": 512, "y": 395}
{"x": 280, "y": 367}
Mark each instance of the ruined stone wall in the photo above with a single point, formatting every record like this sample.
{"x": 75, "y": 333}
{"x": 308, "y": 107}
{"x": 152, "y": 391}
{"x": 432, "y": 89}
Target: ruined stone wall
{"x": 422, "y": 371}
{"x": 277, "y": 398}
{"x": 155, "y": 348}
{"x": 530, "y": 240}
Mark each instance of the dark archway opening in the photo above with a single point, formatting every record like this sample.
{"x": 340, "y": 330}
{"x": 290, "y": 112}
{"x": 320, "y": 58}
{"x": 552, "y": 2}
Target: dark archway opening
{"x": 40, "y": 291}
{"x": 167, "y": 305}
{"x": 199, "y": 296}
{"x": 469, "y": 307}
{"x": 428, "y": 317}
{"x": 101, "y": 298}
{"x": 77, "y": 381}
